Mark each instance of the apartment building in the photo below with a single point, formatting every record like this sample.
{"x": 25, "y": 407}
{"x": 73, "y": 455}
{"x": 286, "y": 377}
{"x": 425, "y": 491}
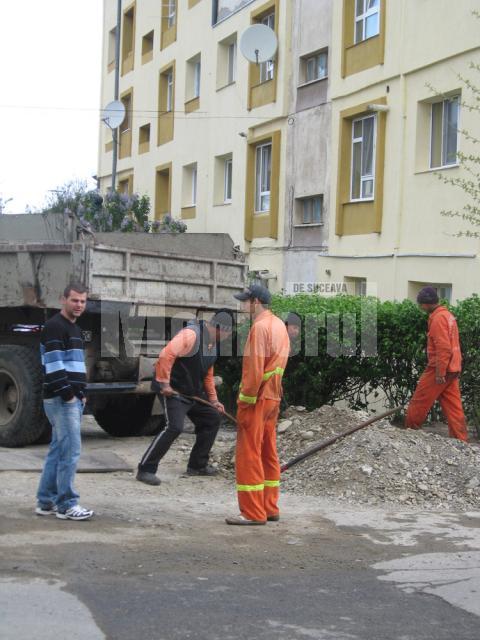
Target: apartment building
{"x": 205, "y": 135}
{"x": 398, "y": 104}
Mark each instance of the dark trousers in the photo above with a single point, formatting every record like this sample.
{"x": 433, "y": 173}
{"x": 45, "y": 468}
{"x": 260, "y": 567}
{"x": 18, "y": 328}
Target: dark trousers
{"x": 206, "y": 421}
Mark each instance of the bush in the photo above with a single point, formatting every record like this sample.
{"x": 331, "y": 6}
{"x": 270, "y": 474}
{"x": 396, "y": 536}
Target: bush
{"x": 344, "y": 368}
{"x": 112, "y": 212}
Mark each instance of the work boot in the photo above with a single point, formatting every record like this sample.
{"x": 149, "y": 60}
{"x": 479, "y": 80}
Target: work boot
{"x": 148, "y": 478}
{"x": 242, "y": 521}
{"x": 208, "y": 470}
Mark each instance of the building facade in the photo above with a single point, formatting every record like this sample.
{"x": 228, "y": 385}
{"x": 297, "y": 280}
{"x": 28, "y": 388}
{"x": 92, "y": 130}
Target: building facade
{"x": 398, "y": 106}
{"x": 205, "y": 135}
{"x": 324, "y": 164}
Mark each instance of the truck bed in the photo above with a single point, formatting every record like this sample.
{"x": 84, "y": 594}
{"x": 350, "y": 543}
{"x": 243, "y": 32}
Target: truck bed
{"x": 159, "y": 273}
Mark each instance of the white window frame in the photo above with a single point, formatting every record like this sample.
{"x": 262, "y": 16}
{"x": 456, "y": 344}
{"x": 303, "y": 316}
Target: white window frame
{"x": 315, "y": 60}
{"x": 260, "y": 168}
{"x": 194, "y": 174}
{"x": 363, "y": 177}
{"x": 443, "y": 163}
{"x": 169, "y": 101}
{"x": 366, "y": 13}
{"x": 267, "y": 69}
{"x": 227, "y": 180}
{"x": 197, "y": 73}
{"x": 232, "y": 62}
{"x": 171, "y": 13}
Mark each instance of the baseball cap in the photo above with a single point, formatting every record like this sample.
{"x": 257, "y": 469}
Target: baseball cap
{"x": 262, "y": 294}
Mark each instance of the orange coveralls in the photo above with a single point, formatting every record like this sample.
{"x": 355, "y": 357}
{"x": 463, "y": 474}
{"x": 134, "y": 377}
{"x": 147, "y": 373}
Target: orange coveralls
{"x": 257, "y": 466}
{"x": 444, "y": 360}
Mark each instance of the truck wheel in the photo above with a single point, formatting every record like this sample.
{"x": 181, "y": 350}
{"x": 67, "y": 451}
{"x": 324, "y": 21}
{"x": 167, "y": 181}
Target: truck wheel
{"x": 125, "y": 416}
{"x": 153, "y": 425}
{"x": 22, "y": 420}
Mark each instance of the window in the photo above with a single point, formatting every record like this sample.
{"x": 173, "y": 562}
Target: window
{"x": 128, "y": 40}
{"x": 444, "y": 132}
{"x": 356, "y": 286}
{"x": 144, "y": 138}
{"x": 111, "y": 49}
{"x": 168, "y": 31}
{"x": 444, "y": 290}
{"x": 196, "y": 79}
{"x": 147, "y": 47}
{"x": 311, "y": 210}
{"x": 125, "y": 149}
{"x": 232, "y": 62}
{"x": 194, "y": 185}
{"x": 166, "y": 104}
{"x": 267, "y": 68}
{"x": 363, "y": 158}
{"x": 193, "y": 73}
{"x": 367, "y": 19}
{"x": 171, "y": 12}
{"x": 169, "y": 97}
{"x": 227, "y": 192}
{"x": 227, "y": 61}
{"x": 163, "y": 191}
{"x": 222, "y": 9}
{"x": 189, "y": 191}
{"x": 263, "y": 171}
{"x": 316, "y": 66}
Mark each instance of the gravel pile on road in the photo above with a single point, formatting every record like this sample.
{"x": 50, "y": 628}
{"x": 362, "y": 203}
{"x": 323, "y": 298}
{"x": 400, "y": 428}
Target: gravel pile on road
{"x": 380, "y": 464}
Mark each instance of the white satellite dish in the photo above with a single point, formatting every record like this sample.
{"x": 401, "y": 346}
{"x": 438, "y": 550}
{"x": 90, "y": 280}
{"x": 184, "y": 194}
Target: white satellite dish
{"x": 258, "y": 43}
{"x": 114, "y": 114}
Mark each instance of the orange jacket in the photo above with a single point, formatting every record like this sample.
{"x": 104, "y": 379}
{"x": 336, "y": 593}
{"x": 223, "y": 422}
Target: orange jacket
{"x": 443, "y": 343}
{"x": 264, "y": 359}
{"x": 179, "y": 346}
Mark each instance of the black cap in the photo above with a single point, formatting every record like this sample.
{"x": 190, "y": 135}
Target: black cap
{"x": 223, "y": 320}
{"x": 262, "y": 294}
{"x": 293, "y": 319}
{"x": 427, "y": 295}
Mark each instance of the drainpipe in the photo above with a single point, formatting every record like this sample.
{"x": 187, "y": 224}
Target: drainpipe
{"x": 116, "y": 90}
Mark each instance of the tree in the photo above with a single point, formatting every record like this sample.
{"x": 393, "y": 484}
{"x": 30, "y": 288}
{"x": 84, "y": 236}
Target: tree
{"x": 113, "y": 211}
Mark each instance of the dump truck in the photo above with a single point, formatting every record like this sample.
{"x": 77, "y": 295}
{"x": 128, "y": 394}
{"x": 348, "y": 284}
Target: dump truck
{"x": 142, "y": 288}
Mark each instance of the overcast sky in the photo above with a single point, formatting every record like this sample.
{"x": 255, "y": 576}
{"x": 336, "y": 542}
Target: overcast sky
{"x": 50, "y": 55}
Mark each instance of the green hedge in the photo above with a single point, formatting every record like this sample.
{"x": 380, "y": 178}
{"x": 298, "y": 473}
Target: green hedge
{"x": 358, "y": 378}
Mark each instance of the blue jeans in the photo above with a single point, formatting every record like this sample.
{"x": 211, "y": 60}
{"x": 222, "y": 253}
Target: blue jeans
{"x": 56, "y": 481}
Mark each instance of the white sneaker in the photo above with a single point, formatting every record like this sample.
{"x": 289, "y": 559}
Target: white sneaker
{"x": 75, "y": 513}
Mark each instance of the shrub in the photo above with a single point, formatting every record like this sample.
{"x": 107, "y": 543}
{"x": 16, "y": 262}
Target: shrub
{"x": 343, "y": 368}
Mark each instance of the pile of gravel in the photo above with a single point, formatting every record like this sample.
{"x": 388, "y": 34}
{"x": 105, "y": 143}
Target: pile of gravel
{"x": 380, "y": 464}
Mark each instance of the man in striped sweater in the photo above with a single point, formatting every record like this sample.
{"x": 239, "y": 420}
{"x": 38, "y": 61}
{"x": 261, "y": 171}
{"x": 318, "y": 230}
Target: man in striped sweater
{"x": 63, "y": 363}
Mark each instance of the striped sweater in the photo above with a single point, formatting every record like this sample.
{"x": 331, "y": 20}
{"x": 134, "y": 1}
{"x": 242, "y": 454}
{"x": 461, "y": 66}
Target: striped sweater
{"x": 63, "y": 359}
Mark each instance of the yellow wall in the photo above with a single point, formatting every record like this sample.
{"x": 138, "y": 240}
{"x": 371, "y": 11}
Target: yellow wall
{"x": 426, "y": 43}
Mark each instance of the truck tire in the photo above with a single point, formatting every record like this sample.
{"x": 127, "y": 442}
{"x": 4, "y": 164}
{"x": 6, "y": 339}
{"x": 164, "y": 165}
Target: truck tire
{"x": 125, "y": 416}
{"x": 22, "y": 420}
{"x": 153, "y": 425}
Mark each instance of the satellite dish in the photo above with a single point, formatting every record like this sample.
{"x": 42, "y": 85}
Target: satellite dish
{"x": 258, "y": 43}
{"x": 114, "y": 114}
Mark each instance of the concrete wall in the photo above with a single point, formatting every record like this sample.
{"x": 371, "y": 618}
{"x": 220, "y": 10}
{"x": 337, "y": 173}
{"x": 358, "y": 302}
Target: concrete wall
{"x": 308, "y": 144}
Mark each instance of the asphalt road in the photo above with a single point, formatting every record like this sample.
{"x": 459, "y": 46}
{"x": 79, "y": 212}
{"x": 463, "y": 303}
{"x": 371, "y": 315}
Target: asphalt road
{"x": 159, "y": 563}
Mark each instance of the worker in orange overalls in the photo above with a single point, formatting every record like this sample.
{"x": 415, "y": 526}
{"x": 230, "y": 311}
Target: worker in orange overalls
{"x": 264, "y": 360}
{"x": 440, "y": 380}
